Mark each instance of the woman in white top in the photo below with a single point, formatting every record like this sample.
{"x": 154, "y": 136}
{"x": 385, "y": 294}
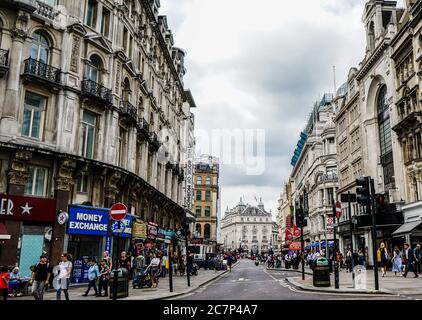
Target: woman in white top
{"x": 155, "y": 268}
{"x": 65, "y": 270}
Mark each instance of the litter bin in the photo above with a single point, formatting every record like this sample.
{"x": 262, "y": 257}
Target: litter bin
{"x": 321, "y": 274}
{"x": 122, "y": 283}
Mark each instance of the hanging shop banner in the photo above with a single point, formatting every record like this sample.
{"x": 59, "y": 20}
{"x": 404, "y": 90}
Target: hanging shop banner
{"x": 88, "y": 221}
{"x": 161, "y": 234}
{"x": 139, "y": 229}
{"x": 123, "y": 228}
{"x": 170, "y": 234}
{"x": 152, "y": 230}
{"x": 295, "y": 246}
{"x": 27, "y": 208}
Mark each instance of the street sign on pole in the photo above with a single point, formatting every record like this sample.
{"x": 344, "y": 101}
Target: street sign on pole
{"x": 118, "y": 212}
{"x": 338, "y": 209}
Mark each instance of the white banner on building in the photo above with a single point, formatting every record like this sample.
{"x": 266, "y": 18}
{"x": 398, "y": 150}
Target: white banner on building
{"x": 189, "y": 179}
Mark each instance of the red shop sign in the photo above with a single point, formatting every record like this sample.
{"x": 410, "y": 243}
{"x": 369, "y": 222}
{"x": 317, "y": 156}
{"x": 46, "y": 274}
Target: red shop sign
{"x": 27, "y": 208}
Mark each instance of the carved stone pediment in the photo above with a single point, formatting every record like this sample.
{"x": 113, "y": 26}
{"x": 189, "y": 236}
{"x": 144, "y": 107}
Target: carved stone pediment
{"x": 99, "y": 42}
{"x": 77, "y": 28}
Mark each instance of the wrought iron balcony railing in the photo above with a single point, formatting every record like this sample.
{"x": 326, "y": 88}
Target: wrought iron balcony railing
{"x": 4, "y": 58}
{"x": 154, "y": 142}
{"x": 142, "y": 126}
{"x": 42, "y": 70}
{"x": 128, "y": 109}
{"x": 96, "y": 90}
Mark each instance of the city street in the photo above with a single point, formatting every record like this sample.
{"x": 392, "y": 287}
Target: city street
{"x": 250, "y": 282}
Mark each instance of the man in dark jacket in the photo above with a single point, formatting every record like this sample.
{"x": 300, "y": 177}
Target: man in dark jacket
{"x": 410, "y": 260}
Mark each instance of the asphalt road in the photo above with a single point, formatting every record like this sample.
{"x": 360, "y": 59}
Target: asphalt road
{"x": 250, "y": 282}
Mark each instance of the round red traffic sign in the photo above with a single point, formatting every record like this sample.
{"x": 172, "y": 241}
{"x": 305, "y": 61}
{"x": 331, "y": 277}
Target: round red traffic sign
{"x": 118, "y": 211}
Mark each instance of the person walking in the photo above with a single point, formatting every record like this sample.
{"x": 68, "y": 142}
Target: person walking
{"x": 397, "y": 261}
{"x": 40, "y": 278}
{"x": 93, "y": 274}
{"x": 4, "y": 283}
{"x": 383, "y": 257}
{"x": 155, "y": 269}
{"x": 104, "y": 278}
{"x": 349, "y": 257}
{"x": 417, "y": 254}
{"x": 163, "y": 265}
{"x": 65, "y": 270}
{"x": 409, "y": 260}
{"x": 189, "y": 262}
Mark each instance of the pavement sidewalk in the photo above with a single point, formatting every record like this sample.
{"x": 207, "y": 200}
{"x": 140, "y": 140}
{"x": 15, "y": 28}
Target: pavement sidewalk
{"x": 365, "y": 284}
{"x": 161, "y": 292}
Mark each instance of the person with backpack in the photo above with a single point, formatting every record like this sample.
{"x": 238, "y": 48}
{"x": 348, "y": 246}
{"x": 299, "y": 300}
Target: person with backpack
{"x": 40, "y": 278}
{"x": 4, "y": 283}
{"x": 93, "y": 274}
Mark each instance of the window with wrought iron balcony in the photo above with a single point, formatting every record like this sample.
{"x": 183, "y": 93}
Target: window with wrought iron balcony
{"x": 37, "y": 66}
{"x": 91, "y": 86}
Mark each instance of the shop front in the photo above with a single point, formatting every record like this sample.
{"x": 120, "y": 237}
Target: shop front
{"x": 87, "y": 229}
{"x": 26, "y": 226}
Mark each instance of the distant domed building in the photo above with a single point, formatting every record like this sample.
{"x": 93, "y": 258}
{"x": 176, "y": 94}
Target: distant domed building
{"x": 247, "y": 227}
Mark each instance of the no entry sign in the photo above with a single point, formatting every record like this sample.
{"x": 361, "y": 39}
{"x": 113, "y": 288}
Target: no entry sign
{"x": 118, "y": 212}
{"x": 338, "y": 210}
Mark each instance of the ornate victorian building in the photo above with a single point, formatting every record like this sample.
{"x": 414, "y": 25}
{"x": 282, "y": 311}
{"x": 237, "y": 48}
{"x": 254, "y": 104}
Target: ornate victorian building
{"x": 314, "y": 176}
{"x": 93, "y": 110}
{"x": 407, "y": 123}
{"x": 247, "y": 227}
{"x": 366, "y": 144}
{"x": 207, "y": 198}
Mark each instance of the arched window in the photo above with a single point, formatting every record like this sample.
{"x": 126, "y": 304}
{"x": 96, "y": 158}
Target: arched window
{"x": 371, "y": 36}
{"x": 386, "y": 146}
{"x": 40, "y": 49}
{"x": 126, "y": 92}
{"x": 207, "y": 231}
{"x": 198, "y": 228}
{"x": 94, "y": 67}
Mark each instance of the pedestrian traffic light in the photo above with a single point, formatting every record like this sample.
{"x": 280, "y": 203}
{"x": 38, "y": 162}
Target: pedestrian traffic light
{"x": 382, "y": 206}
{"x": 300, "y": 217}
{"x": 364, "y": 193}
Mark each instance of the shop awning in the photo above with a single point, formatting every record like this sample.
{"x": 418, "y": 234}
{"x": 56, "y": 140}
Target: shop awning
{"x": 407, "y": 228}
{"x": 3, "y": 232}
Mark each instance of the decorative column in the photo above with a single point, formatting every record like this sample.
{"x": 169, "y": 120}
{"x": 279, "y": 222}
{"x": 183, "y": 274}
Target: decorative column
{"x": 111, "y": 188}
{"x": 18, "y": 176}
{"x": 9, "y": 119}
{"x": 63, "y": 188}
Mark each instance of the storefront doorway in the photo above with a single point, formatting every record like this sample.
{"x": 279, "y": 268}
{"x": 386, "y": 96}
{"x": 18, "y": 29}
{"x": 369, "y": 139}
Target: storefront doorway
{"x": 85, "y": 246}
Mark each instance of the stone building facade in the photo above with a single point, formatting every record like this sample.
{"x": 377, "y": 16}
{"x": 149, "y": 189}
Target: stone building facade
{"x": 314, "y": 179}
{"x": 93, "y": 110}
{"x": 206, "y": 198}
{"x": 247, "y": 227}
{"x": 406, "y": 57}
{"x": 366, "y": 143}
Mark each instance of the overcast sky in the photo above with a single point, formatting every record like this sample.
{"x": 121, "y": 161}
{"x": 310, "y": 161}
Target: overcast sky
{"x": 261, "y": 65}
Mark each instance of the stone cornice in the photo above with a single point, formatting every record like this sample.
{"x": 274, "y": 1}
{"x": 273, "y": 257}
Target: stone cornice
{"x": 372, "y": 59}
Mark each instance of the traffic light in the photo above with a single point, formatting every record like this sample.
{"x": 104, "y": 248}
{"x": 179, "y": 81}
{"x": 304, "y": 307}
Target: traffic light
{"x": 382, "y": 206}
{"x": 364, "y": 193}
{"x": 300, "y": 218}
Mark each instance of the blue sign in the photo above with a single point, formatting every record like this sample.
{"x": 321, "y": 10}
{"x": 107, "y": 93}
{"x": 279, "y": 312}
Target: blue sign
{"x": 123, "y": 228}
{"x": 88, "y": 221}
{"x": 108, "y": 245}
